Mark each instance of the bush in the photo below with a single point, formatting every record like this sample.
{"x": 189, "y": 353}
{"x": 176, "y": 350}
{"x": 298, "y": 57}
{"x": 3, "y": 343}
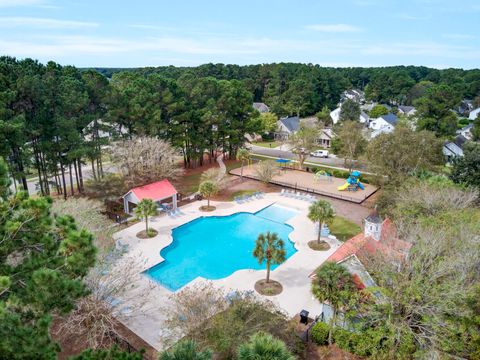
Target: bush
{"x": 319, "y": 333}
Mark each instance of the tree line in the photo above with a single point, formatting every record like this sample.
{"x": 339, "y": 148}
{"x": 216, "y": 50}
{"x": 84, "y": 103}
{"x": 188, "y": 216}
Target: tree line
{"x": 303, "y": 89}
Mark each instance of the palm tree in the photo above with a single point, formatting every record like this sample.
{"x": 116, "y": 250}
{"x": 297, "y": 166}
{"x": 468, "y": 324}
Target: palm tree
{"x": 207, "y": 189}
{"x": 186, "y": 350}
{"x": 334, "y": 284}
{"x": 144, "y": 209}
{"x": 262, "y": 346}
{"x": 322, "y": 212}
{"x": 243, "y": 155}
{"x": 271, "y": 249}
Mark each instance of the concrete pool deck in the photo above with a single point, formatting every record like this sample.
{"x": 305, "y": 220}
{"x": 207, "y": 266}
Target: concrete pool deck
{"x": 293, "y": 274}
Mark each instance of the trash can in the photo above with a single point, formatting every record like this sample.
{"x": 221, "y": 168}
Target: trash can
{"x": 304, "y": 317}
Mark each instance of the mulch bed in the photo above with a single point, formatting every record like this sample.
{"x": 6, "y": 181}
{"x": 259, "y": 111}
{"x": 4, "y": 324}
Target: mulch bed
{"x": 268, "y": 289}
{"x": 206, "y": 208}
{"x": 315, "y": 245}
{"x": 143, "y": 234}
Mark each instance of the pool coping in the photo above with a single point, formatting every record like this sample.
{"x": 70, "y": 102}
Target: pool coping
{"x": 201, "y": 278}
{"x": 293, "y": 273}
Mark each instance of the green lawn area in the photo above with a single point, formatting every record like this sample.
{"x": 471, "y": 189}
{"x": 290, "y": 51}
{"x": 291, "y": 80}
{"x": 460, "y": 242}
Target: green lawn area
{"x": 189, "y": 183}
{"x": 344, "y": 229}
{"x": 267, "y": 144}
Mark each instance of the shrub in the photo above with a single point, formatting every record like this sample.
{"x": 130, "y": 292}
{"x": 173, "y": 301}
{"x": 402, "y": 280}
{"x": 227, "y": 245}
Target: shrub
{"x": 344, "y": 339}
{"x": 319, "y": 333}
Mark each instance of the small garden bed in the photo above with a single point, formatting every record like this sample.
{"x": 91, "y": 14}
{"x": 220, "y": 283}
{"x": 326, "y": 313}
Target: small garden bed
{"x": 268, "y": 289}
{"x": 144, "y": 235}
{"x": 318, "y": 246}
{"x": 207, "y": 208}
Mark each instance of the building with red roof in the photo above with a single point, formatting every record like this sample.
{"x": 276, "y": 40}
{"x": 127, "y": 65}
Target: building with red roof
{"x": 157, "y": 191}
{"x": 379, "y": 238}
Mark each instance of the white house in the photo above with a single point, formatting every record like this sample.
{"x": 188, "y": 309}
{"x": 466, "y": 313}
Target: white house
{"x": 466, "y": 131}
{"x": 157, "y": 191}
{"x": 454, "y": 149}
{"x": 353, "y": 94}
{"x": 406, "y": 110}
{"x": 383, "y": 124}
{"x": 474, "y": 113}
{"x": 105, "y": 130}
{"x": 261, "y": 107}
{"x": 335, "y": 115}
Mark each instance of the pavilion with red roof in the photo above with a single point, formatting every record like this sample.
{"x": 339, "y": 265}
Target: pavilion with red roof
{"x": 158, "y": 191}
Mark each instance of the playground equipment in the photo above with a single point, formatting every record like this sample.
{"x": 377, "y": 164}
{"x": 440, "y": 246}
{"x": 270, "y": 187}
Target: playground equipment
{"x": 353, "y": 183}
{"x": 322, "y": 175}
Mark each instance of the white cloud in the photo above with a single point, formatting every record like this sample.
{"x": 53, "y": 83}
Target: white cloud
{"x": 334, "y": 28}
{"x": 45, "y": 23}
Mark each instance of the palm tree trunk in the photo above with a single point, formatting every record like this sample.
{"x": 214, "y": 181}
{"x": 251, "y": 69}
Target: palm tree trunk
{"x": 146, "y": 225}
{"x": 208, "y": 202}
{"x": 333, "y": 320}
{"x": 268, "y": 271}
{"x": 320, "y": 226}
{"x": 241, "y": 171}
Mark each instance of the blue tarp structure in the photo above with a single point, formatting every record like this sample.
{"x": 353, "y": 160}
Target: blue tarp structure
{"x": 282, "y": 161}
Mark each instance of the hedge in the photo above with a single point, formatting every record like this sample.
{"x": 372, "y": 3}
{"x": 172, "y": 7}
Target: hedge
{"x": 319, "y": 333}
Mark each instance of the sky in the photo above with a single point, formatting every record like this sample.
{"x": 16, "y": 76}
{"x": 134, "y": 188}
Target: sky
{"x": 87, "y": 33}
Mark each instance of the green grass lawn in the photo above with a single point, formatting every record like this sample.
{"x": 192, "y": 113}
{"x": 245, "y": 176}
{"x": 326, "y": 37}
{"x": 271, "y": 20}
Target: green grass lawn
{"x": 344, "y": 229}
{"x": 267, "y": 144}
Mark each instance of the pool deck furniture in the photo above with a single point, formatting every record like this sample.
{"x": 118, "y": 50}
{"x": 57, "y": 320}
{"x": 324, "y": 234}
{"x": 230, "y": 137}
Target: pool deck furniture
{"x": 292, "y": 274}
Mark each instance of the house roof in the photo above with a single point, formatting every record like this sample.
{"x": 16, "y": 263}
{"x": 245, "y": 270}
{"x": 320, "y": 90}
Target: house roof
{"x": 292, "y": 123}
{"x": 373, "y": 217}
{"x": 390, "y": 118}
{"x": 406, "y": 109}
{"x": 156, "y": 191}
{"x": 261, "y": 107}
{"x": 460, "y": 140}
{"x": 362, "y": 246}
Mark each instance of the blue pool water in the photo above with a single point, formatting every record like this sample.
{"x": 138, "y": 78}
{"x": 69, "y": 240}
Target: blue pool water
{"x": 215, "y": 247}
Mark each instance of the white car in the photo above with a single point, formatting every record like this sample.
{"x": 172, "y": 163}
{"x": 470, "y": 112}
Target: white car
{"x": 320, "y": 153}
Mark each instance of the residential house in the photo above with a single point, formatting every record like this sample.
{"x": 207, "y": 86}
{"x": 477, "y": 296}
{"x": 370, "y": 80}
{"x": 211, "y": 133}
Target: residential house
{"x": 465, "y": 107}
{"x": 454, "y": 149}
{"x": 383, "y": 124}
{"x": 406, "y": 110}
{"x": 261, "y": 107}
{"x": 335, "y": 115}
{"x": 326, "y": 137}
{"x": 353, "y": 94}
{"x": 289, "y": 125}
{"x": 286, "y": 127}
{"x": 474, "y": 114}
{"x": 105, "y": 130}
{"x": 379, "y": 238}
{"x": 466, "y": 131}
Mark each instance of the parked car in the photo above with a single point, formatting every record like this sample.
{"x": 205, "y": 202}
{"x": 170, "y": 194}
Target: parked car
{"x": 320, "y": 153}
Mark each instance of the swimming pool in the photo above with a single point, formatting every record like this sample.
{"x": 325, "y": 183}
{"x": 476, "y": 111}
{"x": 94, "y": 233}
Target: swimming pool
{"x": 216, "y": 246}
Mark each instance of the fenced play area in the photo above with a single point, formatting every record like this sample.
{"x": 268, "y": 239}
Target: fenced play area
{"x": 321, "y": 183}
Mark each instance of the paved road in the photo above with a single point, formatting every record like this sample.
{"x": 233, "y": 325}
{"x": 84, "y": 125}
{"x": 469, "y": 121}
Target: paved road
{"x": 331, "y": 161}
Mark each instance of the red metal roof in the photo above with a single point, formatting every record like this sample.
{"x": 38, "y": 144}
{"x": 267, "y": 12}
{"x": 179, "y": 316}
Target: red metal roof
{"x": 156, "y": 191}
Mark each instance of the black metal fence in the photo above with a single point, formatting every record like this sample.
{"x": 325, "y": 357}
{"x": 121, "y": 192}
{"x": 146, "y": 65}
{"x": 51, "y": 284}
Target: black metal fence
{"x": 297, "y": 187}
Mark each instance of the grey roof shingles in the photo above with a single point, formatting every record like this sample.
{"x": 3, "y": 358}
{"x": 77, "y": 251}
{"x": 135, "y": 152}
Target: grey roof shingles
{"x": 390, "y": 118}
{"x": 291, "y": 123}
